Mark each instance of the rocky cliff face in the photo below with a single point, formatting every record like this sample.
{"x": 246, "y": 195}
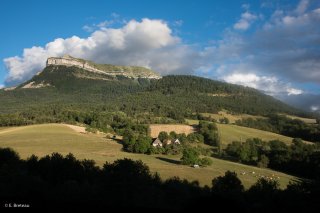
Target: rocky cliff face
{"x": 105, "y": 69}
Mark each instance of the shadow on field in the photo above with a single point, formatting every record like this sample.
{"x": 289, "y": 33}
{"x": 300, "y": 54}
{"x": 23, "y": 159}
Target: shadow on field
{"x": 169, "y": 160}
{"x": 119, "y": 141}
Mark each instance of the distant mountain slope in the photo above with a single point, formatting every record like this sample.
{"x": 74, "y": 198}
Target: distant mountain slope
{"x": 175, "y": 97}
{"x": 195, "y": 94}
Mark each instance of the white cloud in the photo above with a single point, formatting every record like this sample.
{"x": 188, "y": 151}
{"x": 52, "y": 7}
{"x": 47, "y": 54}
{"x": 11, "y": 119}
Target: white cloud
{"x": 148, "y": 43}
{"x": 88, "y": 28}
{"x": 245, "y": 21}
{"x": 250, "y": 79}
{"x": 178, "y": 23}
{"x": 293, "y": 91}
{"x": 302, "y": 6}
{"x": 105, "y": 23}
{"x": 268, "y": 84}
{"x": 314, "y": 108}
{"x": 115, "y": 15}
{"x": 1, "y": 86}
{"x": 245, "y": 6}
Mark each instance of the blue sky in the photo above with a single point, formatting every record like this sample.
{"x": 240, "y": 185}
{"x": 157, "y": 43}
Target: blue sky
{"x": 271, "y": 45}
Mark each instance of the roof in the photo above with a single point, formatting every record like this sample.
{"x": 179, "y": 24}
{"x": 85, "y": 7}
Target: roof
{"x": 176, "y": 141}
{"x": 157, "y": 140}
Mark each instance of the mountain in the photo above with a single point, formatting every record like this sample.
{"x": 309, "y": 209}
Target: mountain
{"x": 81, "y": 68}
{"x": 70, "y": 85}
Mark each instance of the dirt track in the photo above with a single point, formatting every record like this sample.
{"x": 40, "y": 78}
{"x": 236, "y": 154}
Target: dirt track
{"x": 78, "y": 129}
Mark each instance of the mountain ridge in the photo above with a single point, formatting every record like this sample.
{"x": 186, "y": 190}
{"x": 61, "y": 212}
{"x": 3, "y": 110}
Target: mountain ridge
{"x": 104, "y": 69}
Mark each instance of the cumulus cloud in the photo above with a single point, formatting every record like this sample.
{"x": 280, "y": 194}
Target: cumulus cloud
{"x": 245, "y": 21}
{"x": 148, "y": 43}
{"x": 270, "y": 85}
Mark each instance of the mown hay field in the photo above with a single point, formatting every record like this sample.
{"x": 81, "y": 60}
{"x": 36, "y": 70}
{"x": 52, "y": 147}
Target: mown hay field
{"x": 155, "y": 129}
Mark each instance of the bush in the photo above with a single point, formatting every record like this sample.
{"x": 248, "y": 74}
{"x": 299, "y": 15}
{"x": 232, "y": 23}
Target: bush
{"x": 8, "y": 157}
{"x": 263, "y": 162}
{"x": 156, "y": 150}
{"x": 190, "y": 156}
{"x": 228, "y": 184}
{"x": 195, "y": 138}
{"x": 91, "y": 129}
{"x": 173, "y": 149}
{"x": 142, "y": 145}
{"x": 205, "y": 162}
{"x": 163, "y": 136}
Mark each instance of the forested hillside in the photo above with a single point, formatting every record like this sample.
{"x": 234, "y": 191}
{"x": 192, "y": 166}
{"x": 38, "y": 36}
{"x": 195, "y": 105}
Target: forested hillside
{"x": 68, "y": 96}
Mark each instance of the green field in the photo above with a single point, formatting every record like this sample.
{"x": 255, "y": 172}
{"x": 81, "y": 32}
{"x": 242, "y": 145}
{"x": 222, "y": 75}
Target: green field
{"x": 47, "y": 138}
{"x": 230, "y": 132}
{"x": 232, "y": 117}
{"x": 306, "y": 120}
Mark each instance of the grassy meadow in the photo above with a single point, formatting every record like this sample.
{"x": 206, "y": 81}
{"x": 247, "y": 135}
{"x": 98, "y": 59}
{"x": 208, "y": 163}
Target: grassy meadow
{"x": 47, "y": 138}
{"x": 230, "y": 132}
{"x": 232, "y": 117}
{"x": 306, "y": 120}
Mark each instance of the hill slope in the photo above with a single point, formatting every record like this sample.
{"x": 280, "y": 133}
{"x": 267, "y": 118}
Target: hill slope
{"x": 48, "y": 138}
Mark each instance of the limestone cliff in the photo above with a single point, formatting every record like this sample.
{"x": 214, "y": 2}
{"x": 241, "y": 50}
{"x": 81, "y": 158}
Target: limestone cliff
{"x": 105, "y": 69}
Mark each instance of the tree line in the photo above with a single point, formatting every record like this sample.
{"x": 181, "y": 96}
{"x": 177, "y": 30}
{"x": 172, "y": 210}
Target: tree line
{"x": 299, "y": 158}
{"x": 285, "y": 126}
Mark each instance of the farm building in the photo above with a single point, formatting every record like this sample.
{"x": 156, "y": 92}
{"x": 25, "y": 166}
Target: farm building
{"x": 176, "y": 141}
{"x": 157, "y": 143}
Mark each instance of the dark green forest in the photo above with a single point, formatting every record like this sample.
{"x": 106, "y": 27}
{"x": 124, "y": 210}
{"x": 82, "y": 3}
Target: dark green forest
{"x": 299, "y": 158}
{"x": 57, "y": 182}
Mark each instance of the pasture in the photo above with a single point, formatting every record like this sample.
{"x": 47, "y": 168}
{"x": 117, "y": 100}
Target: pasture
{"x": 230, "y": 132}
{"x": 45, "y": 139}
{"x": 232, "y": 117}
{"x": 306, "y": 120}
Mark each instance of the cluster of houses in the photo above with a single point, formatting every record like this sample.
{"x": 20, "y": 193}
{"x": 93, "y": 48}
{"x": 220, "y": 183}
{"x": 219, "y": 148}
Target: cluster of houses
{"x": 158, "y": 143}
